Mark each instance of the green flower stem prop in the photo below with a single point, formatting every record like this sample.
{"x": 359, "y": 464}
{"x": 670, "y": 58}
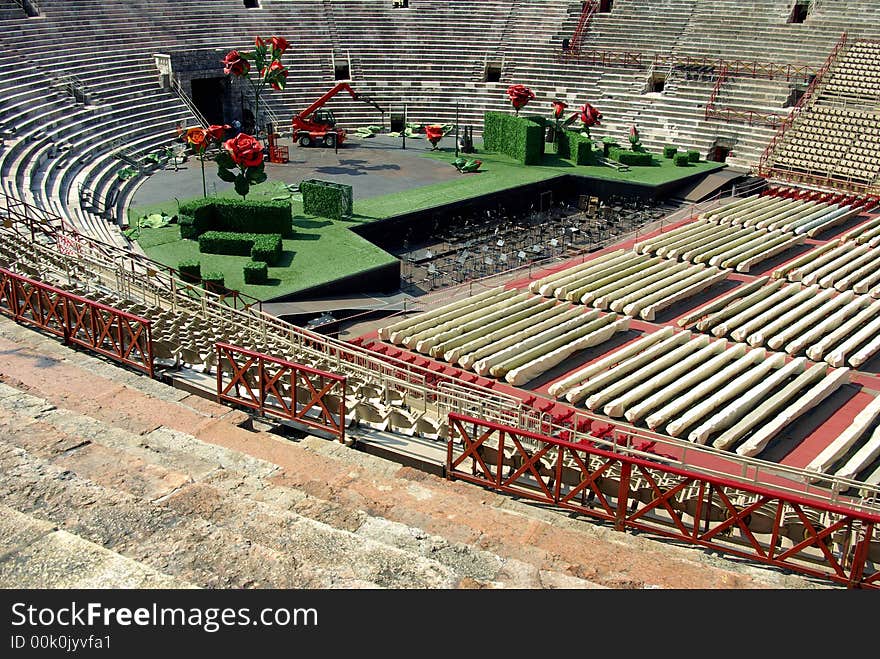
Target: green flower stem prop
{"x": 266, "y": 58}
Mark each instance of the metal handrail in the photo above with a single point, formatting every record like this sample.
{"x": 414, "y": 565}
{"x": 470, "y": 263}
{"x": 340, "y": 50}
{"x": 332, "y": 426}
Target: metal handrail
{"x": 187, "y": 101}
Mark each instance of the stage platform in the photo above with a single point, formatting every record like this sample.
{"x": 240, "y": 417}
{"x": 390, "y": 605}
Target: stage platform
{"x": 392, "y": 187}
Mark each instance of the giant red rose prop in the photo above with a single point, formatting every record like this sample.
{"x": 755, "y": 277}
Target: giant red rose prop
{"x": 197, "y": 138}
{"x": 590, "y": 116}
{"x": 244, "y": 153}
{"x": 559, "y": 108}
{"x": 234, "y": 63}
{"x": 245, "y": 150}
{"x": 279, "y": 45}
{"x": 260, "y": 67}
{"x": 434, "y": 134}
{"x": 519, "y": 96}
{"x": 275, "y": 75}
{"x": 216, "y": 132}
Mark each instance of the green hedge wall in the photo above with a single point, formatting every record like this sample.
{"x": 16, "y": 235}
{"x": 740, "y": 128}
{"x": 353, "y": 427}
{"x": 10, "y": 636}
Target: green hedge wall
{"x": 260, "y": 247}
{"x": 187, "y": 227}
{"x": 267, "y": 248}
{"x": 521, "y": 138}
{"x": 634, "y": 158}
{"x": 669, "y": 151}
{"x": 693, "y": 155}
{"x": 326, "y": 199}
{"x": 226, "y": 242}
{"x": 681, "y": 159}
{"x": 190, "y": 270}
{"x": 238, "y": 215}
{"x": 256, "y": 272}
{"x": 577, "y": 148}
{"x": 214, "y": 281}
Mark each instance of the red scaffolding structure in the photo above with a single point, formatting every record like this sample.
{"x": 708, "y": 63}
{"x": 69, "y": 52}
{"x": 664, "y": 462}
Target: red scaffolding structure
{"x": 282, "y": 389}
{"x": 781, "y": 529}
{"x": 79, "y": 321}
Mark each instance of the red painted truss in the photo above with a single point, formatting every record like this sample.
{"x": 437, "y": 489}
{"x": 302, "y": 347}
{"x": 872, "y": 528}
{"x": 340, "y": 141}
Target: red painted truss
{"x": 78, "y": 321}
{"x": 781, "y": 529}
{"x": 281, "y": 389}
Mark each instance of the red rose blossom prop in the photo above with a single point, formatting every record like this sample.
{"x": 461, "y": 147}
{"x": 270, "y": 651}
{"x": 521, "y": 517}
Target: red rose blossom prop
{"x": 245, "y": 150}
{"x": 559, "y": 109}
{"x": 519, "y": 96}
{"x": 245, "y": 153}
{"x": 590, "y": 116}
{"x": 434, "y": 134}
{"x": 279, "y": 45}
{"x": 235, "y": 64}
{"x": 275, "y": 75}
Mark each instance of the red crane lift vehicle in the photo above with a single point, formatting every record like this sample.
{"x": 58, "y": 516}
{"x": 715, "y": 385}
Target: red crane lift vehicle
{"x": 316, "y": 127}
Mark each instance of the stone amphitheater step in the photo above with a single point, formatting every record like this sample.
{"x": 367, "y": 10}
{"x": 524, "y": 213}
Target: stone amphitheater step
{"x": 37, "y": 554}
{"x": 175, "y": 484}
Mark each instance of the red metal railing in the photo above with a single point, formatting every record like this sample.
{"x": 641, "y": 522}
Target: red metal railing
{"x": 577, "y": 39}
{"x": 77, "y": 320}
{"x": 647, "y": 493}
{"x": 281, "y": 388}
{"x": 735, "y": 68}
{"x": 729, "y": 114}
{"x": 763, "y": 168}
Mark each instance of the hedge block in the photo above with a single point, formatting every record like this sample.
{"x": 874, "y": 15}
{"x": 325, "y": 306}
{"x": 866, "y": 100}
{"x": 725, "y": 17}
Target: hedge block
{"x": 577, "y": 148}
{"x": 693, "y": 155}
{"x": 256, "y": 272}
{"x": 187, "y": 227}
{"x": 239, "y": 216}
{"x": 214, "y": 281}
{"x": 190, "y": 270}
{"x": 521, "y": 138}
{"x": 226, "y": 242}
{"x": 267, "y": 248}
{"x": 634, "y": 158}
{"x": 681, "y": 160}
{"x": 326, "y": 199}
{"x": 669, "y": 151}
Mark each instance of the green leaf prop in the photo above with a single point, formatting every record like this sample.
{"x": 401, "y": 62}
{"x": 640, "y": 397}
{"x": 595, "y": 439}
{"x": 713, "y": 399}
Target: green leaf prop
{"x": 226, "y": 175}
{"x": 242, "y": 186}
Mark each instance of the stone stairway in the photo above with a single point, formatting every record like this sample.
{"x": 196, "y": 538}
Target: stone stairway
{"x": 112, "y": 479}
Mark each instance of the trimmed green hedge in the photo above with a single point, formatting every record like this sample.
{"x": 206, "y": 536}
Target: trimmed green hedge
{"x": 577, "y": 148}
{"x": 256, "y": 272}
{"x": 634, "y": 158}
{"x": 326, "y": 199}
{"x": 267, "y": 248}
{"x": 225, "y": 242}
{"x": 260, "y": 247}
{"x": 693, "y": 155}
{"x": 521, "y": 138}
{"x": 190, "y": 270}
{"x": 187, "y": 227}
{"x": 214, "y": 281}
{"x": 681, "y": 160}
{"x": 238, "y": 215}
{"x": 669, "y": 151}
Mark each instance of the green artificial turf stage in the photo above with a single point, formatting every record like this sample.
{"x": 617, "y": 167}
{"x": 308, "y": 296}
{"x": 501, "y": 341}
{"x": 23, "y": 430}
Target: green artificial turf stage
{"x": 324, "y": 250}
{"x": 499, "y": 172}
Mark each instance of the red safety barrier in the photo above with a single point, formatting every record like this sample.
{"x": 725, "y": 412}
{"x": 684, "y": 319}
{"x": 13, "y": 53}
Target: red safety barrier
{"x": 77, "y": 320}
{"x": 782, "y": 529}
{"x": 281, "y": 388}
